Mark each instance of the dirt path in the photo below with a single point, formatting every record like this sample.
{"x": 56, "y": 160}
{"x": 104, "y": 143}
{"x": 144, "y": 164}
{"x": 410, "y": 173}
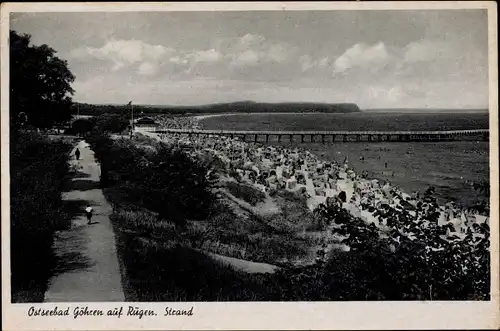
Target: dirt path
{"x": 87, "y": 268}
{"x": 245, "y": 265}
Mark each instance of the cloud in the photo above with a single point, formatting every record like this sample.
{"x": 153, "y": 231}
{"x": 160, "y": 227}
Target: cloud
{"x": 203, "y": 56}
{"x": 372, "y": 75}
{"x": 178, "y": 60}
{"x": 147, "y": 69}
{"x": 307, "y": 63}
{"x": 278, "y": 53}
{"x": 124, "y": 52}
{"x": 250, "y": 40}
{"x": 250, "y": 50}
{"x": 232, "y": 55}
{"x": 246, "y": 58}
{"x": 429, "y": 50}
{"x": 362, "y": 56}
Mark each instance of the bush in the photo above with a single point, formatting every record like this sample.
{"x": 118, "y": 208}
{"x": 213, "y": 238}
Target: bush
{"x": 164, "y": 179}
{"x": 112, "y": 123}
{"x": 81, "y": 126}
{"x": 38, "y": 169}
{"x": 425, "y": 268}
{"x": 176, "y": 186}
{"x": 246, "y": 193}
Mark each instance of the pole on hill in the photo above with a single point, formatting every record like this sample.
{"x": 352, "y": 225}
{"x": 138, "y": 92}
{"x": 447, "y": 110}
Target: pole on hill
{"x": 132, "y": 115}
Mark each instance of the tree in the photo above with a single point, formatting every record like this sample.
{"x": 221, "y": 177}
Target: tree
{"x": 81, "y": 126}
{"x": 40, "y": 84}
{"x": 39, "y": 167}
{"x": 176, "y": 186}
{"x": 113, "y": 123}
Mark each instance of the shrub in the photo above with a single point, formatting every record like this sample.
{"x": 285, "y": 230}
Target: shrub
{"x": 113, "y": 123}
{"x": 38, "y": 169}
{"x": 410, "y": 269}
{"x": 81, "y": 126}
{"x": 165, "y": 179}
{"x": 176, "y": 186}
{"x": 246, "y": 193}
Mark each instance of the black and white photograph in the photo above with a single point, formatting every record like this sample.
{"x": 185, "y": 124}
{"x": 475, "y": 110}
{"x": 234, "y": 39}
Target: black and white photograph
{"x": 197, "y": 156}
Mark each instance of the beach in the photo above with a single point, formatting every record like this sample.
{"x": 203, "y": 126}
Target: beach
{"x": 414, "y": 166}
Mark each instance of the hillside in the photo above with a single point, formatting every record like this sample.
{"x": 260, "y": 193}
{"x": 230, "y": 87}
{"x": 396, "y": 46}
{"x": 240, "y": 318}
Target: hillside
{"x": 232, "y": 107}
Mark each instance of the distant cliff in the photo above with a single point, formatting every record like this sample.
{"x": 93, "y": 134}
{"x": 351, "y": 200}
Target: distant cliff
{"x": 232, "y": 107}
{"x": 285, "y": 107}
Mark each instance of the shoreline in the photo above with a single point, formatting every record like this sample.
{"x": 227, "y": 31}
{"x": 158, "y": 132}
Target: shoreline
{"x": 363, "y": 111}
{"x": 458, "y": 181}
{"x": 320, "y": 159}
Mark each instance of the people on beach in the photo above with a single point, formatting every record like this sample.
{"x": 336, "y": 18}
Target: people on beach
{"x": 88, "y": 213}
{"x": 77, "y": 154}
{"x": 272, "y": 168}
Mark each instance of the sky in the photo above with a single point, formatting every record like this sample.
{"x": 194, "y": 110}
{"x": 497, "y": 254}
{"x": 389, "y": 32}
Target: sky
{"x": 376, "y": 59}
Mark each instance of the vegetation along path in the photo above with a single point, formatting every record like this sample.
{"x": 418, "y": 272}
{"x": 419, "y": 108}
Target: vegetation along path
{"x": 87, "y": 268}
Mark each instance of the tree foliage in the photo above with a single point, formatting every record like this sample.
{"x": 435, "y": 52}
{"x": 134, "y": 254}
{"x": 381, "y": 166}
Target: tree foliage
{"x": 423, "y": 266}
{"x": 81, "y": 126}
{"x": 40, "y": 84}
{"x": 38, "y": 168}
{"x": 231, "y": 107}
{"x": 165, "y": 180}
{"x": 112, "y": 123}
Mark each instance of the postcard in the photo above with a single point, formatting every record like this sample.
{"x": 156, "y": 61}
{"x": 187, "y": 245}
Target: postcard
{"x": 250, "y": 165}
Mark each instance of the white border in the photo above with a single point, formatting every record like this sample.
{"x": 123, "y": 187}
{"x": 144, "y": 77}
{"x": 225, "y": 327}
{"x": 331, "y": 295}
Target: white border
{"x": 255, "y": 315}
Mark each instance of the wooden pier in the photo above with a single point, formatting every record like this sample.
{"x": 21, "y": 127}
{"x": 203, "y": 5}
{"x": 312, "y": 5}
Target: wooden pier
{"x": 337, "y": 136}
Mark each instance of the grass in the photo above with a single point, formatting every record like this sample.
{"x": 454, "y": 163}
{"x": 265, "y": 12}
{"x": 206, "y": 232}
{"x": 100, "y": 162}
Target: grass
{"x": 271, "y": 239}
{"x": 143, "y": 237}
{"x": 158, "y": 266}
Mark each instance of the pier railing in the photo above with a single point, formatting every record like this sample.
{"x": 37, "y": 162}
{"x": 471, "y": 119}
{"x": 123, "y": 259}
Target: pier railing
{"x": 340, "y": 136}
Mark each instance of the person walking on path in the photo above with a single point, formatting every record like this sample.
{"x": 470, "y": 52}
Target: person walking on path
{"x": 97, "y": 278}
{"x": 88, "y": 212}
{"x": 77, "y": 154}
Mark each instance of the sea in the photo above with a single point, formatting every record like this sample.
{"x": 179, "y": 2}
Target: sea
{"x": 449, "y": 166}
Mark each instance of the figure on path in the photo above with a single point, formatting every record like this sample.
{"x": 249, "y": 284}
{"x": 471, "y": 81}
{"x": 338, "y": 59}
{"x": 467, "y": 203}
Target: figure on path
{"x": 77, "y": 154}
{"x": 88, "y": 212}
{"x": 342, "y": 196}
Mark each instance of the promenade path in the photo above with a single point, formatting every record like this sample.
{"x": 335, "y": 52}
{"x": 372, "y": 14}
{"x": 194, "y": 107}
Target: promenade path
{"x": 87, "y": 264}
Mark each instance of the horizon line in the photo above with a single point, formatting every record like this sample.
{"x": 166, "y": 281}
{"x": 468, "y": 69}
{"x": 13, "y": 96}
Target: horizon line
{"x": 483, "y": 108}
